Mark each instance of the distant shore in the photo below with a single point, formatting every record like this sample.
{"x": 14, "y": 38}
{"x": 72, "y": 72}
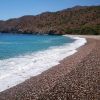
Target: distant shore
{"x": 75, "y": 78}
{"x": 97, "y": 37}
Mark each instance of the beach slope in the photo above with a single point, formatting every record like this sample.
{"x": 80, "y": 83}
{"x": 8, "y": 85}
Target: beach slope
{"x": 76, "y": 78}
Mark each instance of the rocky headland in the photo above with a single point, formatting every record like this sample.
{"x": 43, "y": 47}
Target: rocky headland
{"x": 75, "y": 20}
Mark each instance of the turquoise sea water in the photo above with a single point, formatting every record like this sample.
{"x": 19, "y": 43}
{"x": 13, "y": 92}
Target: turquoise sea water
{"x": 24, "y": 56}
{"x": 12, "y": 45}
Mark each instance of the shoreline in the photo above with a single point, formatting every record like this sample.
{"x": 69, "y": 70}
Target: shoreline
{"x": 41, "y": 86}
{"x": 36, "y": 63}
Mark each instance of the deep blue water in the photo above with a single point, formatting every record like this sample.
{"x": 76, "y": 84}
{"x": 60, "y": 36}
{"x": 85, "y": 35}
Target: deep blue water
{"x": 12, "y": 45}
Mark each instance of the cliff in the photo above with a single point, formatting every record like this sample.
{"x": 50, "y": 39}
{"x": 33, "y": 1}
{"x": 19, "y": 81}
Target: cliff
{"x": 76, "y": 20}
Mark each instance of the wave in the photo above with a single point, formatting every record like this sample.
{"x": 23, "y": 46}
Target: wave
{"x": 16, "y": 70}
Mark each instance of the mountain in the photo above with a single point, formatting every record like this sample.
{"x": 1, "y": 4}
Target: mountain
{"x": 75, "y": 20}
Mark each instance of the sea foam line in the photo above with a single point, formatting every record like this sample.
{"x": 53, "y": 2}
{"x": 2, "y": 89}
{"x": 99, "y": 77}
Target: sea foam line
{"x": 14, "y": 71}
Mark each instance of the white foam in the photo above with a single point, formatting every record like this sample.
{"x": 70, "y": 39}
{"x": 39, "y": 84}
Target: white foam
{"x": 16, "y": 70}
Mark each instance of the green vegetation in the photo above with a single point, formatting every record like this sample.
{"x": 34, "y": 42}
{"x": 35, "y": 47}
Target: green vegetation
{"x": 82, "y": 20}
{"x": 89, "y": 30}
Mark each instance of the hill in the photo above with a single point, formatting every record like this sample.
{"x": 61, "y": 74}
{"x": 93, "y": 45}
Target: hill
{"x": 75, "y": 20}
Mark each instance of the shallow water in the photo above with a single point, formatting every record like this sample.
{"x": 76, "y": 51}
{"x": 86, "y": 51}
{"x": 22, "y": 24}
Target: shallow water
{"x": 24, "y": 56}
{"x": 14, "y": 45}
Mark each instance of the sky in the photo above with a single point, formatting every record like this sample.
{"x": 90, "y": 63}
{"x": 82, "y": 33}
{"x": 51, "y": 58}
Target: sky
{"x": 17, "y": 8}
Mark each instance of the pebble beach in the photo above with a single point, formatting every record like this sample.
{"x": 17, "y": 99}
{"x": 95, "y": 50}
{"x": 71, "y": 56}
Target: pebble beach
{"x": 77, "y": 77}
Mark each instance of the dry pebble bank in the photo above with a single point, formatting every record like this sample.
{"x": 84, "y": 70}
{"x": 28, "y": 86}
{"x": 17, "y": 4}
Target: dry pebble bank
{"x": 75, "y": 78}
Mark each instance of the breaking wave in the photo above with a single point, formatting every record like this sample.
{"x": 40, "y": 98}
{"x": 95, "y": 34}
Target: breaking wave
{"x": 16, "y": 70}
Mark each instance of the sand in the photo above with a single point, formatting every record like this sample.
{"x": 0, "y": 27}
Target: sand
{"x": 76, "y": 78}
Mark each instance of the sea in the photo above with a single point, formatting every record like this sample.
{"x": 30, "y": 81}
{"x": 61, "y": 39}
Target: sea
{"x": 23, "y": 56}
